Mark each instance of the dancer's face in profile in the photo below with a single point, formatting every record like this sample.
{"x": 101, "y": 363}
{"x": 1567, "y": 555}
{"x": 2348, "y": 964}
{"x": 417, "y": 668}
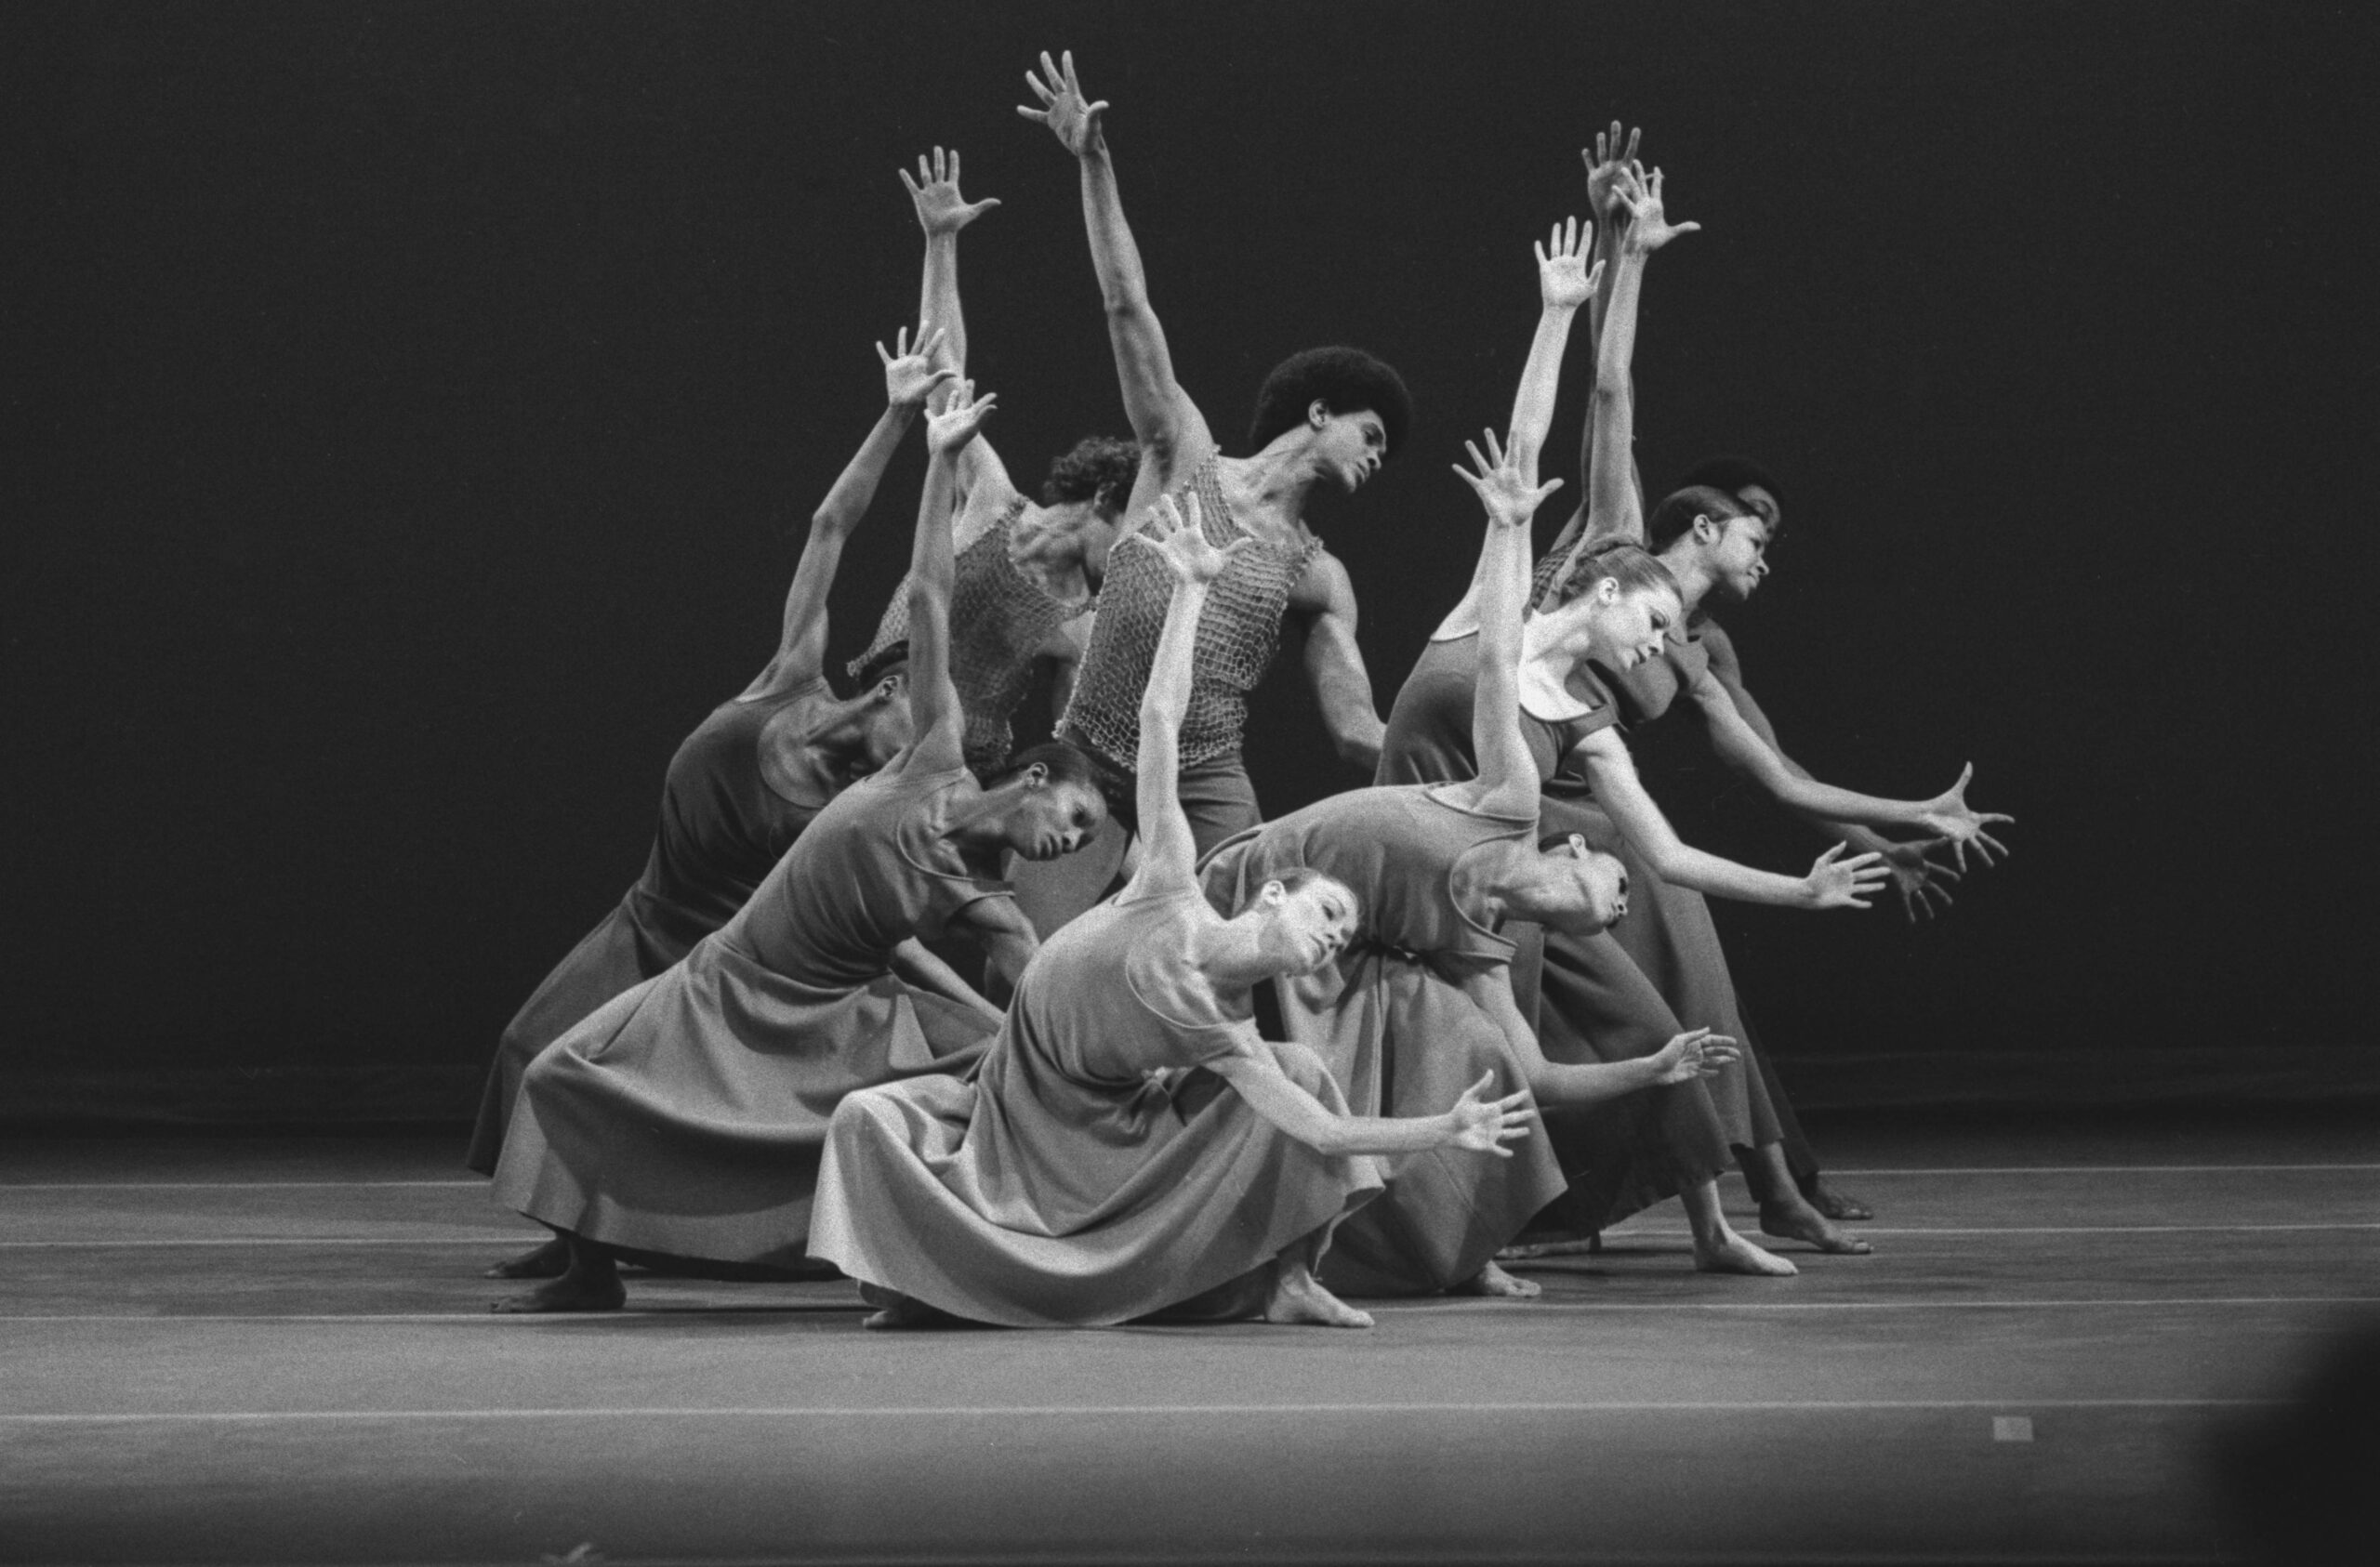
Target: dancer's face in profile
{"x": 1347, "y": 448}
{"x": 1583, "y": 890}
{"x": 889, "y": 726}
{"x": 1049, "y": 819}
{"x": 1304, "y": 930}
{"x": 1629, "y": 626}
{"x": 1737, "y": 552}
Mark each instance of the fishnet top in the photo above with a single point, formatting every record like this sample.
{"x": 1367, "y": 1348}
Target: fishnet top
{"x": 1238, "y": 632}
{"x": 998, "y": 616}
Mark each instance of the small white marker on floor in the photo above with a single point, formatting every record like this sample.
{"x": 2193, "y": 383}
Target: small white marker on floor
{"x": 2011, "y": 1427}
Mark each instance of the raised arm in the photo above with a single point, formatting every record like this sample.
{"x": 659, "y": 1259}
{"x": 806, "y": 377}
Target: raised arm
{"x": 1606, "y": 161}
{"x": 1482, "y": 1125}
{"x": 1506, "y": 487}
{"x": 1169, "y": 426}
{"x": 910, "y": 377}
{"x": 1169, "y": 854}
{"x": 983, "y": 488}
{"x": 935, "y": 711}
{"x": 1830, "y": 884}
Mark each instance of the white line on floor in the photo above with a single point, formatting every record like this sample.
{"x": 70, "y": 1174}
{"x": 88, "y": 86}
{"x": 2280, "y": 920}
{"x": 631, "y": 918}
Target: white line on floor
{"x": 946, "y": 1411}
{"x": 1393, "y": 1309}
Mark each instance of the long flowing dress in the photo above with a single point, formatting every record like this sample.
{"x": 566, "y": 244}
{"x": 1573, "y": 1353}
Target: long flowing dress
{"x": 1071, "y": 1183}
{"x": 722, "y": 828}
{"x": 687, "y": 1116}
{"x": 999, "y": 620}
{"x": 1390, "y": 1019}
{"x": 1590, "y": 1001}
{"x": 1669, "y": 930}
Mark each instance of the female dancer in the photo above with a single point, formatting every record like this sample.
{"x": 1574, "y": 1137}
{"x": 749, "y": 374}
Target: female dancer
{"x": 1079, "y": 1179}
{"x": 685, "y": 1118}
{"x": 1714, "y": 545}
{"x": 1327, "y": 415}
{"x": 1026, "y": 573}
{"x": 741, "y": 788}
{"x": 1425, "y": 997}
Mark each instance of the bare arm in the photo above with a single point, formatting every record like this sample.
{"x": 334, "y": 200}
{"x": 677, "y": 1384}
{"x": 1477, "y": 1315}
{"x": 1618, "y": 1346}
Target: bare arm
{"x": 935, "y": 711}
{"x": 942, "y": 212}
{"x": 909, "y": 379}
{"x": 919, "y": 967}
{"x": 1696, "y": 1053}
{"x": 1507, "y": 488}
{"x": 1169, "y": 426}
{"x": 1168, "y": 854}
{"x": 1472, "y": 1123}
{"x": 1605, "y": 162}
{"x": 1740, "y": 746}
{"x": 1324, "y": 601}
{"x": 1829, "y": 884}
{"x": 1006, "y": 935}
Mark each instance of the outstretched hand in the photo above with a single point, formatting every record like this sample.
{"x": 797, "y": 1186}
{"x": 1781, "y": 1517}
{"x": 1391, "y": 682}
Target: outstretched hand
{"x": 1648, "y": 225}
{"x": 1844, "y": 884}
{"x": 957, "y": 425}
{"x": 1073, "y": 120}
{"x": 1500, "y": 485}
{"x": 910, "y": 374}
{"x": 1696, "y": 1053}
{"x": 1603, "y": 163}
{"x": 1948, "y": 815}
{"x": 1916, "y": 878}
{"x": 1564, "y": 278}
{"x": 941, "y": 209}
{"x": 1486, "y": 1126}
{"x": 1184, "y": 542}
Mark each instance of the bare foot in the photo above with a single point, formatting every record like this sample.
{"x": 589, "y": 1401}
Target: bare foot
{"x": 1492, "y": 1279}
{"x": 548, "y": 1262}
{"x": 900, "y": 1311}
{"x": 1836, "y": 1204}
{"x": 1797, "y": 1220}
{"x": 580, "y": 1291}
{"x": 1730, "y": 1253}
{"x": 1298, "y": 1297}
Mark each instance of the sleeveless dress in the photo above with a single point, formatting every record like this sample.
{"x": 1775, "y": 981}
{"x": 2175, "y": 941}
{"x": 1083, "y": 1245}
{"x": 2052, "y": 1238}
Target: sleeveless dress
{"x": 1588, "y": 1000}
{"x": 1066, "y": 1185}
{"x": 1388, "y": 1018}
{"x": 999, "y": 618}
{"x": 722, "y": 828}
{"x": 687, "y": 1116}
{"x": 1671, "y": 936}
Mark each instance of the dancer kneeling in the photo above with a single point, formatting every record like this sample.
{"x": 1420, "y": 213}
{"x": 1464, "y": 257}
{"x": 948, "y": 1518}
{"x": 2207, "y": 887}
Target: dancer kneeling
{"x": 685, "y": 1118}
{"x": 1424, "y": 996}
{"x": 1087, "y": 1176}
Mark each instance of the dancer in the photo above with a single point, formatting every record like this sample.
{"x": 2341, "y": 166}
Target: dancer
{"x": 1423, "y": 999}
{"x": 685, "y": 1117}
{"x": 1092, "y": 1173}
{"x": 1714, "y": 544}
{"x": 1028, "y": 573}
{"x": 740, "y": 790}
{"x": 1325, "y": 417}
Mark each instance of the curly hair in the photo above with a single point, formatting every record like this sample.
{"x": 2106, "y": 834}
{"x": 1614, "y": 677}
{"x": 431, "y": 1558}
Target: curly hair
{"x": 1098, "y": 469}
{"x": 1675, "y": 515}
{"x": 1734, "y": 475}
{"x": 1062, "y": 762}
{"x": 1347, "y": 381}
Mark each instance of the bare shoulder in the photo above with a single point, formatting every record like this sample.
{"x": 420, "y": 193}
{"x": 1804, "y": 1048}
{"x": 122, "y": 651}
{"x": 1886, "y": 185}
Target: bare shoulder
{"x": 1324, "y": 586}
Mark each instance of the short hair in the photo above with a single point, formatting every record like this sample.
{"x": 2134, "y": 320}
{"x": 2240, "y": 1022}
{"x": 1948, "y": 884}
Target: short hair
{"x": 880, "y": 663}
{"x": 1063, "y": 763}
{"x": 1734, "y": 475}
{"x": 1680, "y": 507}
{"x": 1347, "y": 380}
{"x": 1631, "y": 565}
{"x": 1099, "y": 469}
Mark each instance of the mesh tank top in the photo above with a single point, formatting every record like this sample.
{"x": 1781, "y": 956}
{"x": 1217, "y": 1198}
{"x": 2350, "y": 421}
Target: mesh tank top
{"x": 1238, "y": 632}
{"x": 998, "y": 616}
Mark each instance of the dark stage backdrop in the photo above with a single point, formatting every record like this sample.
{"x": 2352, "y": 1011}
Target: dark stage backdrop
{"x": 413, "y": 411}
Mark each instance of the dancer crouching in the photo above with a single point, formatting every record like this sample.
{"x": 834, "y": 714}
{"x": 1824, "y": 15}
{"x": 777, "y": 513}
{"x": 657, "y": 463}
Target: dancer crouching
{"x": 686, "y": 1117}
{"x": 1092, "y": 1173}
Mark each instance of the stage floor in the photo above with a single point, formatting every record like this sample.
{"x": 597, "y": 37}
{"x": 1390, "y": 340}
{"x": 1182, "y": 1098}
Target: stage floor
{"x": 276, "y": 1349}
